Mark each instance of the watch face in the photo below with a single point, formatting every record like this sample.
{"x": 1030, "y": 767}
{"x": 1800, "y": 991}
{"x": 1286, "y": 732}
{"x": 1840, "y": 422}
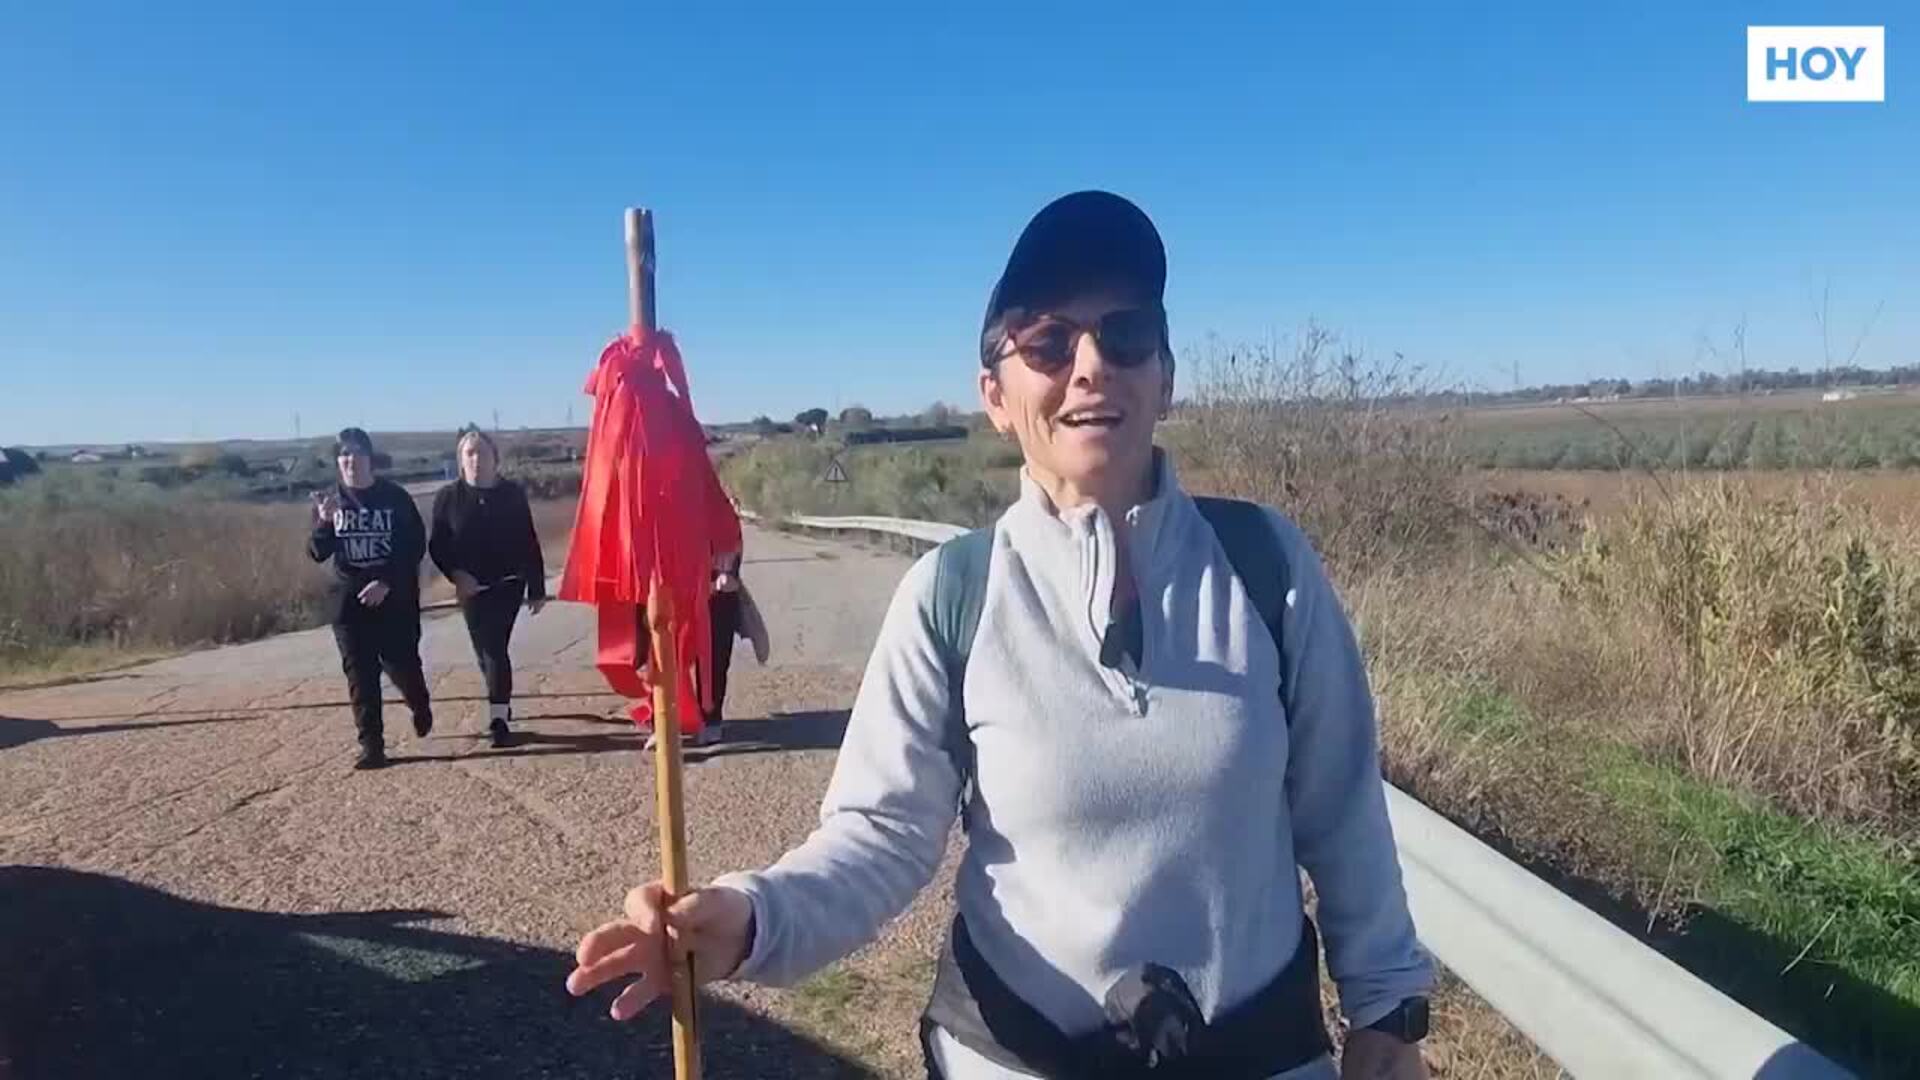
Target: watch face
{"x": 1407, "y": 1022}
{"x": 1416, "y": 1019}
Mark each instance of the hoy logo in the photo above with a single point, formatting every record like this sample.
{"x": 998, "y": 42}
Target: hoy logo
{"x": 1816, "y": 63}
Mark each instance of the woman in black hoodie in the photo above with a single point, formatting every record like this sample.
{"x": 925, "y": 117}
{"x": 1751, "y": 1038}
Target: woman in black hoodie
{"x": 485, "y": 543}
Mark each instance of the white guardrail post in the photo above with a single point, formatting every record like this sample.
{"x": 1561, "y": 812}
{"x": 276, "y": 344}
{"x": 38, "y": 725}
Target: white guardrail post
{"x": 1590, "y": 995}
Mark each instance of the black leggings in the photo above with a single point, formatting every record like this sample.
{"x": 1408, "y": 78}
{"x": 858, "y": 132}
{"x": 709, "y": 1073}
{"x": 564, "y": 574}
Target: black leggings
{"x": 723, "y": 611}
{"x": 375, "y": 639}
{"x": 490, "y": 617}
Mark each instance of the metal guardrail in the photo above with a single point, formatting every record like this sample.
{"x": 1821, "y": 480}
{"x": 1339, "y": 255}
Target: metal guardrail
{"x": 927, "y": 532}
{"x": 1594, "y": 998}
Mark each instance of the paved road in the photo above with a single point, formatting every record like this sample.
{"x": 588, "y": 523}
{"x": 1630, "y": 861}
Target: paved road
{"x": 193, "y": 882}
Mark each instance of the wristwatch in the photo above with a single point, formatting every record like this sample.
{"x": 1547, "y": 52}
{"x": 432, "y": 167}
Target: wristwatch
{"x": 1407, "y": 1022}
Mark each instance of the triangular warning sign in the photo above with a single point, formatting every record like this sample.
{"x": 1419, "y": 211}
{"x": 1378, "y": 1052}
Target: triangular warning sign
{"x": 836, "y": 472}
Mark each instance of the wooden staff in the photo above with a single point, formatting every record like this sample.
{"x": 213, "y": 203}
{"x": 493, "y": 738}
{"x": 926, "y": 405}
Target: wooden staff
{"x": 668, "y": 805}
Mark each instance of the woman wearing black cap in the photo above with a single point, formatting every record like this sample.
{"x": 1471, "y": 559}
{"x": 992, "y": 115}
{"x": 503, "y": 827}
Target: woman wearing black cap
{"x": 370, "y": 529}
{"x": 1150, "y": 711}
{"x": 484, "y": 542}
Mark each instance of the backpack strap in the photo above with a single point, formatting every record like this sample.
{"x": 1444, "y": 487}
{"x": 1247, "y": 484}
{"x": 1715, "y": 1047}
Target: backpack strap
{"x": 959, "y": 591}
{"x": 1259, "y": 560}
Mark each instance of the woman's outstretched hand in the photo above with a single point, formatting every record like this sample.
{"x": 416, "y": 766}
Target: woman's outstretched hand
{"x": 714, "y": 925}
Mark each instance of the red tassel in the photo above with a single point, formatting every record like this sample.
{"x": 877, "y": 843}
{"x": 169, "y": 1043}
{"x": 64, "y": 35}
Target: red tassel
{"x": 651, "y": 506}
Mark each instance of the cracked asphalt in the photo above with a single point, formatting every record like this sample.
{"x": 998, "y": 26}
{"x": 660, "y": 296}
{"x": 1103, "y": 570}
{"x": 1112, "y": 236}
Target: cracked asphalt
{"x": 194, "y": 883}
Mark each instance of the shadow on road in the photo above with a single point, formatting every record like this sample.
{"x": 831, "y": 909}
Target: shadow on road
{"x": 19, "y": 731}
{"x": 106, "y": 675}
{"x": 108, "y": 978}
{"x": 528, "y": 743}
{"x": 300, "y": 706}
{"x": 778, "y": 733}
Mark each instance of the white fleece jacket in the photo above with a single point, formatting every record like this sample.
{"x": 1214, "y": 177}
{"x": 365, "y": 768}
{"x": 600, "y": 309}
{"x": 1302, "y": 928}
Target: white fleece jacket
{"x": 1121, "y": 816}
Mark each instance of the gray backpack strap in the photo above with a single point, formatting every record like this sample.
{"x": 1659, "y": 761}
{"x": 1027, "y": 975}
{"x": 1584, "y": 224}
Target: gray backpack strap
{"x": 1258, "y": 560}
{"x": 959, "y": 590}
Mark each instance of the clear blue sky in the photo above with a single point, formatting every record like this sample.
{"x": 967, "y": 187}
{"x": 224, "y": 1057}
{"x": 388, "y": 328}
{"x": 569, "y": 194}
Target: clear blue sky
{"x": 212, "y": 220}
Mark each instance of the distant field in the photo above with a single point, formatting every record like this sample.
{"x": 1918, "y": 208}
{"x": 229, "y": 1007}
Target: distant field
{"x": 1766, "y": 432}
{"x": 1665, "y": 408}
{"x": 1891, "y": 497}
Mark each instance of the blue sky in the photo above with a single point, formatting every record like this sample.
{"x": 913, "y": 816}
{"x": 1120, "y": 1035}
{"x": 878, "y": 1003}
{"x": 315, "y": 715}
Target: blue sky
{"x": 408, "y": 215}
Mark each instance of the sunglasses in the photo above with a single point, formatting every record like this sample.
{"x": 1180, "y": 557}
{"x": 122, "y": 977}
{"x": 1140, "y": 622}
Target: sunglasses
{"x": 1128, "y": 338}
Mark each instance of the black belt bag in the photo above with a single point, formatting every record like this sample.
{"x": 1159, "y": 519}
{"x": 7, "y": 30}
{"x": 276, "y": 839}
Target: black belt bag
{"x": 1154, "y": 1026}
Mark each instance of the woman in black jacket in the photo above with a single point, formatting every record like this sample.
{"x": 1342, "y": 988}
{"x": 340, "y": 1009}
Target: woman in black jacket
{"x": 484, "y": 542}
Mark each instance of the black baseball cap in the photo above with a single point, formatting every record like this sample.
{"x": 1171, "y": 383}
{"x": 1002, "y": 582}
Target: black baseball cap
{"x": 353, "y": 436}
{"x": 1076, "y": 244}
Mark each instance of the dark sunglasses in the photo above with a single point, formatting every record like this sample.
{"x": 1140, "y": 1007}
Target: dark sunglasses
{"x": 1128, "y": 338}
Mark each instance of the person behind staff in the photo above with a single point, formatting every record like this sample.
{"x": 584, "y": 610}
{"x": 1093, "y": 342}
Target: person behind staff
{"x": 724, "y": 610}
{"x": 485, "y": 543}
{"x": 723, "y": 527}
{"x": 370, "y": 529}
{"x": 1137, "y": 816}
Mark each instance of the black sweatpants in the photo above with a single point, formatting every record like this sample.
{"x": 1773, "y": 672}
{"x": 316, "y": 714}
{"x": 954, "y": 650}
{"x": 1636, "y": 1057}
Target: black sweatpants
{"x": 372, "y": 640}
{"x": 724, "y": 612}
{"x": 490, "y": 617}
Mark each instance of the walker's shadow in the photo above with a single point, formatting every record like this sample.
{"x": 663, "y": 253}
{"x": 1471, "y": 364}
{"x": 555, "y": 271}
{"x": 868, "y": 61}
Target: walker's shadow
{"x": 391, "y": 701}
{"x": 524, "y": 743}
{"x": 820, "y": 730}
{"x": 19, "y": 731}
{"x": 108, "y": 978}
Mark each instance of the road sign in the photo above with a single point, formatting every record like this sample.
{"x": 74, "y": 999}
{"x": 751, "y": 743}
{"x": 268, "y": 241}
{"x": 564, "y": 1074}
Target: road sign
{"x": 836, "y": 472}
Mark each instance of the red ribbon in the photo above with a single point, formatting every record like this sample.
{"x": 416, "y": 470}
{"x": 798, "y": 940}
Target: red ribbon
{"x": 651, "y": 507}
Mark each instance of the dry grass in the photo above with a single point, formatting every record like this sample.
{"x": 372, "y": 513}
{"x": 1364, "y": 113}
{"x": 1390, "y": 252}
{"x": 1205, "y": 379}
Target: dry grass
{"x": 100, "y": 573}
{"x": 1770, "y": 646}
{"x": 1891, "y": 497}
{"x": 1781, "y": 638}
{"x": 1308, "y": 431}
{"x": 38, "y": 669}
{"x": 1703, "y": 719}
{"x": 131, "y": 569}
{"x": 1470, "y": 1041}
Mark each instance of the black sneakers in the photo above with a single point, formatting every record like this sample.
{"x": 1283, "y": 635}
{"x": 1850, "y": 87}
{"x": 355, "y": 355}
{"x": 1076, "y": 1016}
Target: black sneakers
{"x": 499, "y": 735}
{"x": 371, "y": 758}
{"x": 423, "y": 723}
